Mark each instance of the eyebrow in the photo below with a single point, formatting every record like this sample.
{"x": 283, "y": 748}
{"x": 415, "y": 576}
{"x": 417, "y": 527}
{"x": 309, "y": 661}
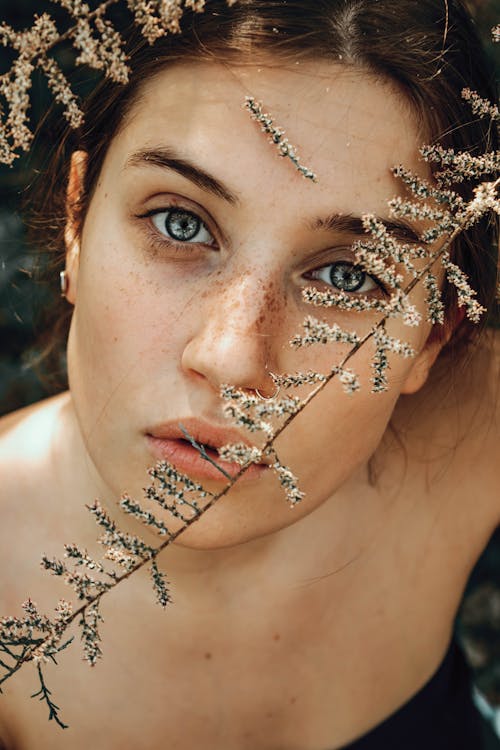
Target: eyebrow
{"x": 166, "y": 157}
{"x": 348, "y": 223}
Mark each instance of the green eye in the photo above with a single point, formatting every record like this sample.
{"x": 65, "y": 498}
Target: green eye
{"x": 182, "y": 226}
{"x": 346, "y": 277}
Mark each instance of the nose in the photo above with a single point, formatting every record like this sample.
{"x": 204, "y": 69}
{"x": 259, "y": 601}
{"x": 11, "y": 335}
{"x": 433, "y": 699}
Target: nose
{"x": 237, "y": 330}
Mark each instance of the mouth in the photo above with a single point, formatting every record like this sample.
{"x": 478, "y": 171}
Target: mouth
{"x": 168, "y": 442}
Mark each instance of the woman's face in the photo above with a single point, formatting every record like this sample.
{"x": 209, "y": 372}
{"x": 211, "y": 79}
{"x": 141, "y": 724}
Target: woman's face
{"x": 197, "y": 245}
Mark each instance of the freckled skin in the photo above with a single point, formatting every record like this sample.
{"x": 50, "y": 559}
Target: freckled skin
{"x": 184, "y": 326}
{"x": 328, "y": 617}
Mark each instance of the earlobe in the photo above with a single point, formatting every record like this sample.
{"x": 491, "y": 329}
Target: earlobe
{"x": 421, "y": 367}
{"x": 71, "y": 276}
{"x": 72, "y": 232}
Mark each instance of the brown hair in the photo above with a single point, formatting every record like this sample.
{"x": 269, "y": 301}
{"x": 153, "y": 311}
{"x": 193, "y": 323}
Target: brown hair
{"x": 429, "y": 49}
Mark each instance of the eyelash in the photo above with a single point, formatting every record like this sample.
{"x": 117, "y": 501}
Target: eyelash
{"x": 349, "y": 268}
{"x": 159, "y": 241}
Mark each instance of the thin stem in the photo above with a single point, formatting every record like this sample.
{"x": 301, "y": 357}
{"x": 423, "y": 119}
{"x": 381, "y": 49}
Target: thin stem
{"x": 45, "y": 694}
{"x": 25, "y": 656}
{"x": 269, "y": 443}
{"x": 201, "y": 450}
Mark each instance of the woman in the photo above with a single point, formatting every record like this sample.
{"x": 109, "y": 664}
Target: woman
{"x": 187, "y": 247}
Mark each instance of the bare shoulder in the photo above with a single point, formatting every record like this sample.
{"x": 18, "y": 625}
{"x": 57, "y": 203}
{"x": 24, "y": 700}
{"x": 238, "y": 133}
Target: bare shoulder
{"x": 26, "y": 437}
{"x": 30, "y": 421}
{"x": 26, "y": 520}
{"x": 28, "y": 482}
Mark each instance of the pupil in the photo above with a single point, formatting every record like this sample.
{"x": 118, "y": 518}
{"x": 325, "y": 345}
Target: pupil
{"x": 182, "y": 225}
{"x": 347, "y": 277}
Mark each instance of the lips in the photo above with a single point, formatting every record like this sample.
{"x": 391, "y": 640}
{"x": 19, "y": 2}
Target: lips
{"x": 169, "y": 443}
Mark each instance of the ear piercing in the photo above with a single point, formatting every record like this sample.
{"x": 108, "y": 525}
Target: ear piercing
{"x": 64, "y": 281}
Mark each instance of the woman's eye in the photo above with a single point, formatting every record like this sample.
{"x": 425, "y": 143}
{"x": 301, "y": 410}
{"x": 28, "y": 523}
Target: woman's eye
{"x": 346, "y": 277}
{"x": 181, "y": 225}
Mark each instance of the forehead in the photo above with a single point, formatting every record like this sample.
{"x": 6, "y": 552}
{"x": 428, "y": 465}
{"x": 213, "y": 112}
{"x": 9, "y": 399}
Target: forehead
{"x": 348, "y": 126}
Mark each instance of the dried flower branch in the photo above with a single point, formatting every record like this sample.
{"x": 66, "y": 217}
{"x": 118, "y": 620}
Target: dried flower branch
{"x": 240, "y": 453}
{"x": 293, "y": 380}
{"x": 45, "y": 694}
{"x": 102, "y": 49}
{"x": 423, "y": 189}
{"x": 277, "y": 137}
{"x": 481, "y": 106}
{"x": 38, "y": 638}
{"x": 288, "y": 481}
{"x": 201, "y": 450}
{"x": 160, "y": 585}
{"x": 318, "y": 332}
{"x": 89, "y": 624}
{"x": 159, "y": 17}
{"x": 462, "y": 166}
{"x": 98, "y": 44}
{"x": 136, "y": 553}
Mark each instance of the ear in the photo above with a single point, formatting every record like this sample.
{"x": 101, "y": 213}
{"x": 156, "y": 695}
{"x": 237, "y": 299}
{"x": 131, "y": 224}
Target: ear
{"x": 439, "y": 336}
{"x": 422, "y": 364}
{"x": 72, "y": 231}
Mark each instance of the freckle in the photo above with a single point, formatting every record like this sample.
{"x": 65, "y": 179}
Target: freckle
{"x": 208, "y": 655}
{"x": 276, "y": 637}
{"x": 293, "y": 700}
{"x": 115, "y": 338}
{"x": 269, "y": 715}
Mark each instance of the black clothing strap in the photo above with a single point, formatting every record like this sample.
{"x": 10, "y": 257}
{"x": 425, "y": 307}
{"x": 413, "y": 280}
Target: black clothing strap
{"x": 441, "y": 716}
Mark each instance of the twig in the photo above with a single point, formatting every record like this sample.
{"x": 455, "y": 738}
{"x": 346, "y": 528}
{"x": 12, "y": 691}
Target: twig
{"x": 45, "y": 694}
{"x": 466, "y": 217}
{"x": 201, "y": 450}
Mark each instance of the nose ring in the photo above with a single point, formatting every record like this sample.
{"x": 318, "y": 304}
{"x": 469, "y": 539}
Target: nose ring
{"x": 268, "y": 398}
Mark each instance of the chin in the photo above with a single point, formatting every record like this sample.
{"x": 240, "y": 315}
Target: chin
{"x": 213, "y": 538}
{"x": 221, "y": 528}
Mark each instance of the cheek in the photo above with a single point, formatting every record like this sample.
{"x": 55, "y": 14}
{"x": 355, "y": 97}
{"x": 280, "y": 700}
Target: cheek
{"x": 338, "y": 432}
{"x": 127, "y": 331}
{"x": 334, "y": 435}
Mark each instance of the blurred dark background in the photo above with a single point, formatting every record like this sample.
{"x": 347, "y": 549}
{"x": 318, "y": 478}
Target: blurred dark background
{"x": 478, "y": 623}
